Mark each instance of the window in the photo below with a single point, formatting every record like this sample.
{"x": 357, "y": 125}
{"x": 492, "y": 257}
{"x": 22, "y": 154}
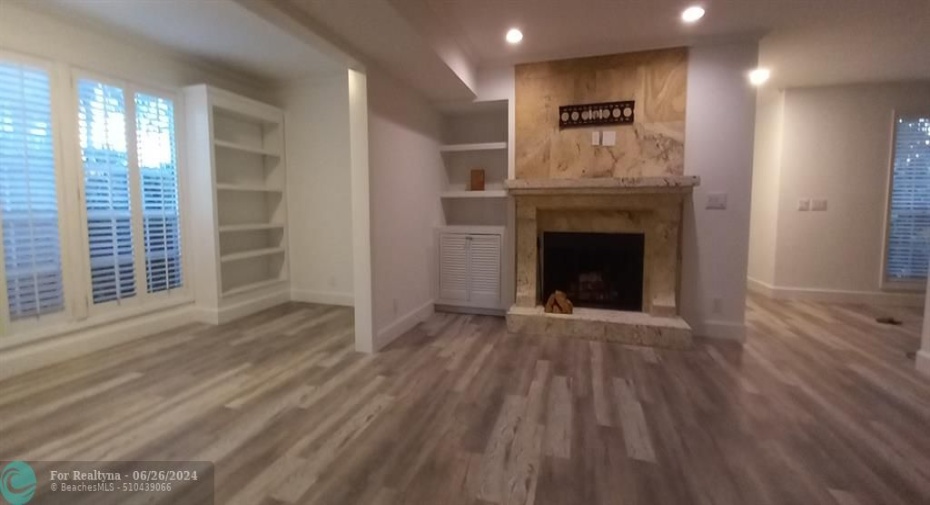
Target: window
{"x": 102, "y": 127}
{"x": 28, "y": 196}
{"x": 117, "y": 244}
{"x": 158, "y": 164}
{"x": 121, "y": 219}
{"x": 908, "y": 251}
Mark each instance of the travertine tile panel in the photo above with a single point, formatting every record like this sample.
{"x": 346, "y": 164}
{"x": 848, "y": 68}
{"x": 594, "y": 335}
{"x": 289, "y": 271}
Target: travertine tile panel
{"x": 652, "y": 146}
{"x": 631, "y": 328}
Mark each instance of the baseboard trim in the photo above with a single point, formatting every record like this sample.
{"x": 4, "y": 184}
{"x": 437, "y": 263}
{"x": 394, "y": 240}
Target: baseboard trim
{"x": 243, "y": 308}
{"x": 923, "y": 361}
{"x": 722, "y": 330}
{"x": 403, "y": 325}
{"x": 55, "y": 350}
{"x": 759, "y": 287}
{"x": 322, "y": 297}
{"x": 836, "y": 295}
{"x": 455, "y": 309}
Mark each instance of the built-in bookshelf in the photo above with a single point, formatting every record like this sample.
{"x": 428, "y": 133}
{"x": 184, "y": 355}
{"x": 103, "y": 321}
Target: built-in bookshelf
{"x": 237, "y": 173}
{"x": 475, "y": 137}
{"x": 473, "y": 247}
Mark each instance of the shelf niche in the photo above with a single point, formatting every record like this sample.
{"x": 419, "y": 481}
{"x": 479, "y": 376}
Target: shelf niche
{"x": 236, "y": 149}
{"x": 475, "y": 137}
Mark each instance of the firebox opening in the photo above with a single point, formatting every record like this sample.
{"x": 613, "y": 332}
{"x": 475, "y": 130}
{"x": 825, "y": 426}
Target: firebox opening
{"x": 595, "y": 270}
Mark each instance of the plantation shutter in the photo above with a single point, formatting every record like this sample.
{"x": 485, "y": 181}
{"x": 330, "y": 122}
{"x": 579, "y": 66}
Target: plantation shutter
{"x": 28, "y": 197}
{"x": 909, "y": 223}
{"x": 102, "y": 129}
{"x": 159, "y": 178}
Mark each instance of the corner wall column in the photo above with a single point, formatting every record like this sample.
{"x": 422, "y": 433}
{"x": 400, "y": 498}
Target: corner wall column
{"x": 923, "y": 355}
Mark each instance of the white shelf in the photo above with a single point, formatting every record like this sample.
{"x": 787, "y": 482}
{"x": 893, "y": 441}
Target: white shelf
{"x": 257, "y": 253}
{"x": 247, "y": 187}
{"x": 245, "y": 148}
{"x": 487, "y": 146}
{"x": 250, "y": 227}
{"x": 250, "y": 287}
{"x": 490, "y": 193}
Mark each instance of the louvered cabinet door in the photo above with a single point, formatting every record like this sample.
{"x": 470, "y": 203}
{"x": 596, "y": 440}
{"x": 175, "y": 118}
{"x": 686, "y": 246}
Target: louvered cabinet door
{"x": 453, "y": 267}
{"x": 484, "y": 270}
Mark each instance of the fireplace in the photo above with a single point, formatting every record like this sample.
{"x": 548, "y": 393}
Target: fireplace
{"x": 612, "y": 245}
{"x": 595, "y": 270}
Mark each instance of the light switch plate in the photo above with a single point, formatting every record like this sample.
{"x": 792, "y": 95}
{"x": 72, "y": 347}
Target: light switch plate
{"x": 716, "y": 201}
{"x": 609, "y": 138}
{"x": 595, "y": 138}
{"x": 804, "y": 204}
{"x": 819, "y": 204}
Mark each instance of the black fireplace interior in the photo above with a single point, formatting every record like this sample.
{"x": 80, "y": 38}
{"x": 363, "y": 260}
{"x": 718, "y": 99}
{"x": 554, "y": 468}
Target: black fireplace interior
{"x": 595, "y": 270}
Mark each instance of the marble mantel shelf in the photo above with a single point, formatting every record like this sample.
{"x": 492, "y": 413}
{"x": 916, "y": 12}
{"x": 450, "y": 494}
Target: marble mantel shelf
{"x": 603, "y": 186}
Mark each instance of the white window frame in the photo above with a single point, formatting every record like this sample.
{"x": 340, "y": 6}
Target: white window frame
{"x": 142, "y": 298}
{"x": 79, "y": 313}
{"x": 8, "y": 327}
{"x": 885, "y": 283}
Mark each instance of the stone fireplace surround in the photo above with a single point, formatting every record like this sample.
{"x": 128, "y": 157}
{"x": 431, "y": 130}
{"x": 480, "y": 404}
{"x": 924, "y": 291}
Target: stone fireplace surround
{"x": 648, "y": 205}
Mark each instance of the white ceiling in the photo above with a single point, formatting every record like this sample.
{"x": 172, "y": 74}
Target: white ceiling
{"x": 221, "y": 32}
{"x": 437, "y": 45}
{"x": 806, "y": 41}
{"x": 376, "y": 32}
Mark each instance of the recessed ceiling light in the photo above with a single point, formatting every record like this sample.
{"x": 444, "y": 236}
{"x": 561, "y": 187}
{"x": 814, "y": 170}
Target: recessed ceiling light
{"x": 759, "y": 76}
{"x": 692, "y": 14}
{"x": 514, "y": 36}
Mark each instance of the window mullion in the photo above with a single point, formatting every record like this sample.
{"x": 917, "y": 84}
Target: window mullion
{"x": 135, "y": 196}
{"x": 73, "y": 220}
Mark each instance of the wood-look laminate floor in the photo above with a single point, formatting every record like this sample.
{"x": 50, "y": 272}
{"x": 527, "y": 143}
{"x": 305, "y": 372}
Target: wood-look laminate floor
{"x": 822, "y": 406}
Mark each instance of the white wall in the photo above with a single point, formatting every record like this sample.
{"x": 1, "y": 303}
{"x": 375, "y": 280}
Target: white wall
{"x": 499, "y": 83}
{"x": 362, "y": 276}
{"x": 770, "y": 111}
{"x": 923, "y": 356}
{"x": 405, "y": 170}
{"x": 319, "y": 189}
{"x": 93, "y": 48}
{"x": 718, "y": 148}
{"x": 835, "y": 144}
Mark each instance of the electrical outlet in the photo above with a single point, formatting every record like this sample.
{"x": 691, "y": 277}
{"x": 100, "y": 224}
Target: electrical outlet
{"x": 804, "y": 204}
{"x": 716, "y": 201}
{"x": 819, "y": 204}
{"x": 609, "y": 138}
{"x": 595, "y": 138}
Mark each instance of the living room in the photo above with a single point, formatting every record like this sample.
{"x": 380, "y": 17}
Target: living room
{"x": 422, "y": 251}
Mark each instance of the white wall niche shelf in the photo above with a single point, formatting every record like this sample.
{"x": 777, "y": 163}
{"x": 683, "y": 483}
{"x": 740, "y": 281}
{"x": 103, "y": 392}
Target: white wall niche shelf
{"x": 483, "y": 146}
{"x": 248, "y": 187}
{"x": 245, "y": 148}
{"x": 253, "y": 286}
{"x": 255, "y": 253}
{"x": 475, "y": 244}
{"x": 488, "y": 193}
{"x": 236, "y": 148}
{"x": 238, "y": 228}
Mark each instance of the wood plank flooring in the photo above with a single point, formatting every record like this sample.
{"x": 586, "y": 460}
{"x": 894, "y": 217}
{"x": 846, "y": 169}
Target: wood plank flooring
{"x": 822, "y": 406}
